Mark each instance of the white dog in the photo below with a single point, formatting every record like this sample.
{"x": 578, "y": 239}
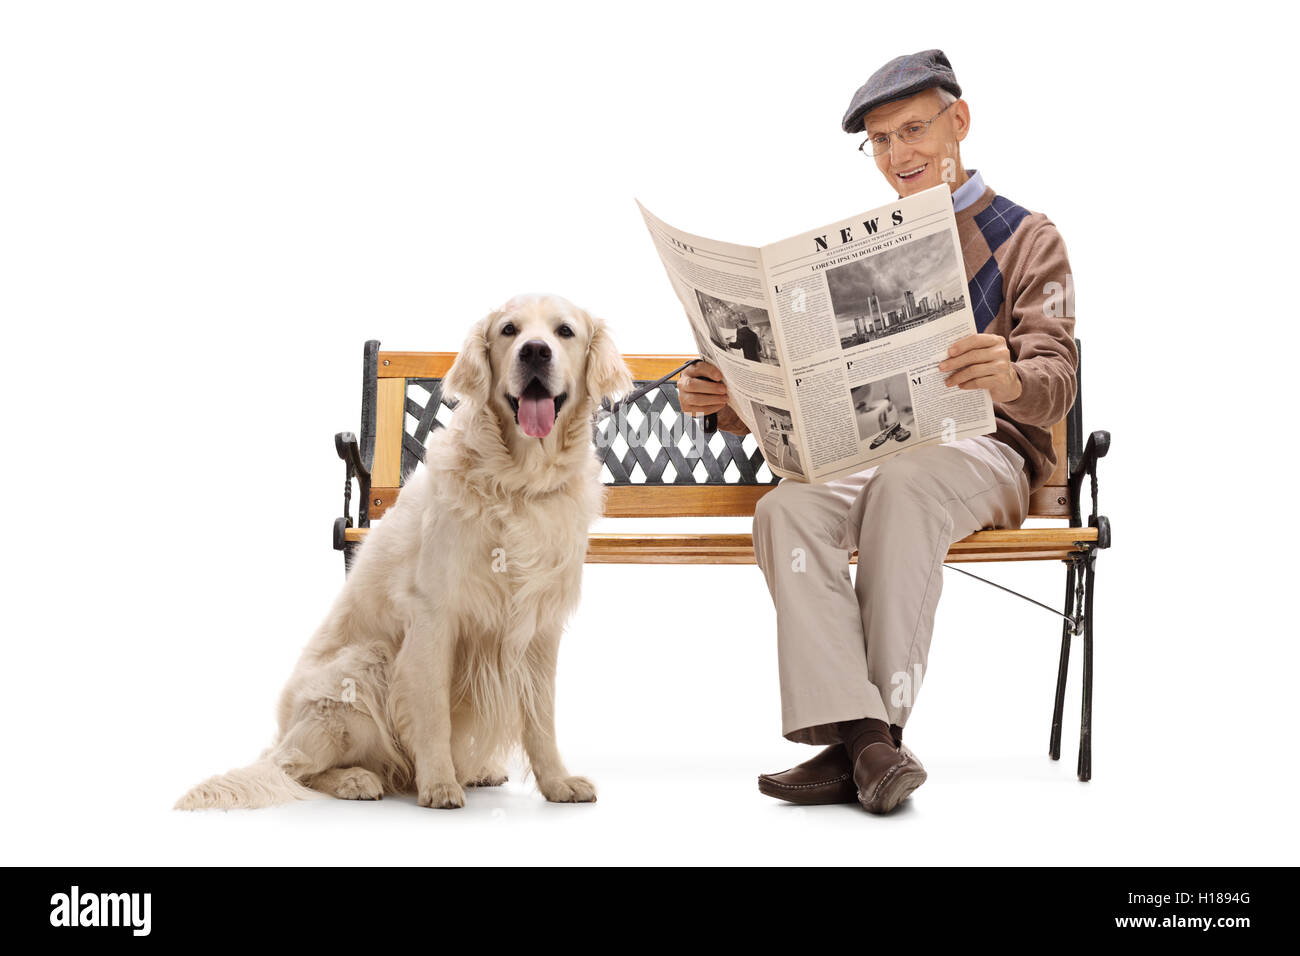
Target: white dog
{"x": 438, "y": 657}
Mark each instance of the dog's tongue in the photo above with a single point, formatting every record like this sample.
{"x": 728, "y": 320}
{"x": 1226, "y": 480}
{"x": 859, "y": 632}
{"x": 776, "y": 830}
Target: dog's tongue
{"x": 536, "y": 412}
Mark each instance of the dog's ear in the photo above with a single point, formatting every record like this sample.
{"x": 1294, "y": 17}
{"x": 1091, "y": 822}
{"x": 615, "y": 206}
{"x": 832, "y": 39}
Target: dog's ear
{"x": 607, "y": 374}
{"x": 470, "y": 376}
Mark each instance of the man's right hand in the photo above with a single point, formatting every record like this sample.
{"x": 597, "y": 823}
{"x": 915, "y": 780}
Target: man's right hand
{"x": 698, "y": 395}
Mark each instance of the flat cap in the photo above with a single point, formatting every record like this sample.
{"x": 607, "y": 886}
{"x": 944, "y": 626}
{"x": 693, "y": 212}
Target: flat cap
{"x": 900, "y": 77}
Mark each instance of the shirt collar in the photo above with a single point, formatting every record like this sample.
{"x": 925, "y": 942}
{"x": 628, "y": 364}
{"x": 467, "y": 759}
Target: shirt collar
{"x": 969, "y": 191}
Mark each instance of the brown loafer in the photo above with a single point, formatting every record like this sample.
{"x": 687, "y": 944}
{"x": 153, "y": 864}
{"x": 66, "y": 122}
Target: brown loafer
{"x": 884, "y": 776}
{"x": 826, "y": 778}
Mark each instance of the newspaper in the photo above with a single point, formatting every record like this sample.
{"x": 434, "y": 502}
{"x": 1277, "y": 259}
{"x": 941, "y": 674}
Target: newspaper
{"x": 830, "y": 341}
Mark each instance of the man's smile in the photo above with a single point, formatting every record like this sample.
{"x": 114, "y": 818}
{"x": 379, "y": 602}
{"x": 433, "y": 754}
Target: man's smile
{"x": 908, "y": 175}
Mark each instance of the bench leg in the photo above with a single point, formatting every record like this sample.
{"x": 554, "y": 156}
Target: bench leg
{"x": 1085, "y": 727}
{"x": 1058, "y": 711}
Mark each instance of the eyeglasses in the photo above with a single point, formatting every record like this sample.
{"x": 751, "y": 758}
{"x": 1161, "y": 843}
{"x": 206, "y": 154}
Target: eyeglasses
{"x": 911, "y": 134}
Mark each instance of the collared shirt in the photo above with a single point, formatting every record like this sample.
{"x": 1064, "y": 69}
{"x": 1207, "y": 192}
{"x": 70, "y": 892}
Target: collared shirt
{"x": 969, "y": 191}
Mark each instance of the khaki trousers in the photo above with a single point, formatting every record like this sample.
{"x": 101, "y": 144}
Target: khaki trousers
{"x": 851, "y": 649}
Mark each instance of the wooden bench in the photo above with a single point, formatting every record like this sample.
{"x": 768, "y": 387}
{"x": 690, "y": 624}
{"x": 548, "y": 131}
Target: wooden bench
{"x": 649, "y": 475}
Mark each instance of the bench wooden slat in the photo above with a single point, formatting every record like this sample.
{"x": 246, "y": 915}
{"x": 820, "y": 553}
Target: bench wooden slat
{"x": 390, "y": 413}
{"x": 680, "y": 501}
{"x": 677, "y": 501}
{"x": 1051, "y": 501}
{"x": 632, "y": 557}
{"x": 1021, "y": 544}
{"x": 415, "y": 364}
{"x": 436, "y": 364}
{"x": 1060, "y": 476}
{"x": 733, "y": 501}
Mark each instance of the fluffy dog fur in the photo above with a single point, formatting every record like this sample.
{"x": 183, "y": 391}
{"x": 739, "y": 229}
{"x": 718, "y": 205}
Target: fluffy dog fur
{"x": 438, "y": 657}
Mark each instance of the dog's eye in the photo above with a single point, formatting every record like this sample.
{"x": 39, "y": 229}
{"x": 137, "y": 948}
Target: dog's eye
{"x": 564, "y": 332}
{"x": 509, "y": 329}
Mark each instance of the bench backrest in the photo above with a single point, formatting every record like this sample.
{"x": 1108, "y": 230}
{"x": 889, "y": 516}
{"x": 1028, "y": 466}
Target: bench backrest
{"x": 645, "y": 451}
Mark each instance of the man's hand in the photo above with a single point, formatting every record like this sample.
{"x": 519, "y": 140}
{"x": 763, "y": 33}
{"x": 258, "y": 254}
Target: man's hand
{"x": 698, "y": 395}
{"x": 982, "y": 361}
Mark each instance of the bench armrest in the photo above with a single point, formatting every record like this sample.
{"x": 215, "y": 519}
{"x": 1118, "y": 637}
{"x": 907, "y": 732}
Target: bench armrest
{"x": 1096, "y": 448}
{"x": 345, "y": 444}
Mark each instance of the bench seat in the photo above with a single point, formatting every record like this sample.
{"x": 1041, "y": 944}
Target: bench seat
{"x": 1024, "y": 544}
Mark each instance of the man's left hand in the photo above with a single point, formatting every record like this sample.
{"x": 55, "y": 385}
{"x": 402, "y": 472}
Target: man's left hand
{"x": 983, "y": 361}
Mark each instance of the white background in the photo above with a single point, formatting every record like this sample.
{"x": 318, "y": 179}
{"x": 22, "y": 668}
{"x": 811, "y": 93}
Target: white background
{"x": 208, "y": 208}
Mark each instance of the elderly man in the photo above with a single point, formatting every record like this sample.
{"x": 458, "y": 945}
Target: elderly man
{"x": 852, "y": 655}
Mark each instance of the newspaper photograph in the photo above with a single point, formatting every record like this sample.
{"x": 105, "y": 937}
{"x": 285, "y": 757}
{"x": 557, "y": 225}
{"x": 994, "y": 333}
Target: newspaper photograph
{"x": 830, "y": 341}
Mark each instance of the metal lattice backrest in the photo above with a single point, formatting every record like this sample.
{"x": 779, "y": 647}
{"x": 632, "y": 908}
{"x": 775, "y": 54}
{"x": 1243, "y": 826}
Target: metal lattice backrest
{"x": 652, "y": 466}
{"x": 649, "y": 443}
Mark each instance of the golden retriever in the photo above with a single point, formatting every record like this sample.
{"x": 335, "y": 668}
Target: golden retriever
{"x": 438, "y": 658}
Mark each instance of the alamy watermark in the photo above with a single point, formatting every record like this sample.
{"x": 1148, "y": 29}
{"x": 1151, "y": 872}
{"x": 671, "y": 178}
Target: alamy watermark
{"x": 75, "y": 908}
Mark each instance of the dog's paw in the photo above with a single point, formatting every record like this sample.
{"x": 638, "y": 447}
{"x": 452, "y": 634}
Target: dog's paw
{"x": 488, "y": 778}
{"x": 358, "y": 783}
{"x": 568, "y": 790}
{"x": 442, "y": 796}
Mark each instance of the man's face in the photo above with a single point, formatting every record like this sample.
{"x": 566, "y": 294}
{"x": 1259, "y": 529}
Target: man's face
{"x": 936, "y": 158}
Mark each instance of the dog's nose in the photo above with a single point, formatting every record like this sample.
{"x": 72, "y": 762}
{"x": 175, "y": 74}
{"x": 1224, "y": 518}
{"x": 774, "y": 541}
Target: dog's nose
{"x": 535, "y": 353}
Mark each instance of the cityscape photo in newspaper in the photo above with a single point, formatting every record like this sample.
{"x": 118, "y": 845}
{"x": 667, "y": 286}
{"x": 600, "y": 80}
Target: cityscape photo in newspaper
{"x": 830, "y": 341}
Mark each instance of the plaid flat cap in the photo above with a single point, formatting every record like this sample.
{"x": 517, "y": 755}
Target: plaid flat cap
{"x": 900, "y": 77}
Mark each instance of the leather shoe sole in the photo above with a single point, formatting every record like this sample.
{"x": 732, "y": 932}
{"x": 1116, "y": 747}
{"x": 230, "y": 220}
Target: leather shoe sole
{"x": 888, "y": 786}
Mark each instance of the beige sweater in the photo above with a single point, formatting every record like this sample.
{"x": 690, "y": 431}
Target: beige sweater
{"x": 1018, "y": 276}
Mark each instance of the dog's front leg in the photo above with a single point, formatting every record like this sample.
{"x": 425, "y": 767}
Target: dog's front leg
{"x": 553, "y": 780}
{"x": 422, "y": 676}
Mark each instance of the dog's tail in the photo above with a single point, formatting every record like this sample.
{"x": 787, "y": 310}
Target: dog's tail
{"x": 260, "y": 784}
